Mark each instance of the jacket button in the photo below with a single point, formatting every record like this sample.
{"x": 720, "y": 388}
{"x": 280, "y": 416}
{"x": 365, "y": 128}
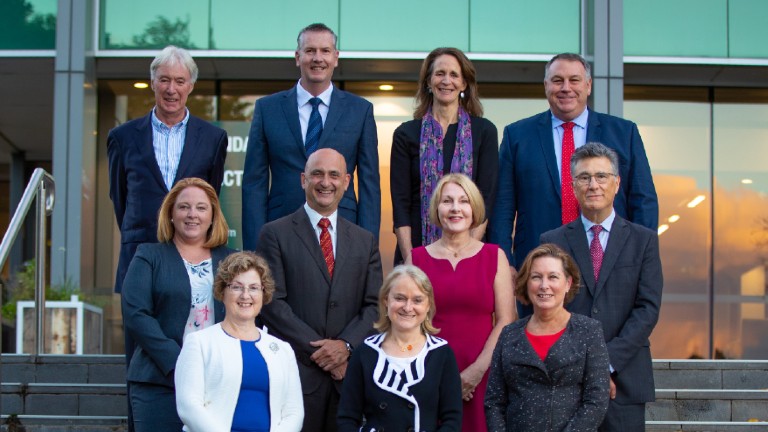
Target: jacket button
{"x": 411, "y": 406}
{"x": 410, "y": 429}
{"x": 595, "y": 311}
{"x": 383, "y": 405}
{"x": 333, "y": 304}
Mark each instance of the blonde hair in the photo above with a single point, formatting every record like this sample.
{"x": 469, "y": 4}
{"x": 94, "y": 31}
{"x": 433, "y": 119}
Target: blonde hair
{"x": 217, "y": 234}
{"x": 476, "y": 201}
{"x": 422, "y": 282}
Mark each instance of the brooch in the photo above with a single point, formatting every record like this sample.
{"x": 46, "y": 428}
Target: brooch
{"x": 273, "y": 346}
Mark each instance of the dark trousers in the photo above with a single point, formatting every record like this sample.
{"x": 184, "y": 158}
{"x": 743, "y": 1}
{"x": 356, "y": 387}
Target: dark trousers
{"x": 624, "y": 418}
{"x": 320, "y": 408}
{"x": 130, "y": 346}
{"x": 154, "y": 408}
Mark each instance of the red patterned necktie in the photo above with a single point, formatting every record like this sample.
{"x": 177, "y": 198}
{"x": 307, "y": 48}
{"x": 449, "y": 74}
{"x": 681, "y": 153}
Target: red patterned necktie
{"x": 596, "y": 250}
{"x": 326, "y": 245}
{"x": 570, "y": 209}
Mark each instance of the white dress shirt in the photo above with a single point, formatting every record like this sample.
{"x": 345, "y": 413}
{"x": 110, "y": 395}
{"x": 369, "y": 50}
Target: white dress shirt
{"x": 305, "y": 108}
{"x": 314, "y": 218}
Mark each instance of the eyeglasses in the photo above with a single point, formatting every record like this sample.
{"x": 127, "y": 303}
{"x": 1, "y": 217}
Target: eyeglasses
{"x": 586, "y": 179}
{"x": 252, "y": 290}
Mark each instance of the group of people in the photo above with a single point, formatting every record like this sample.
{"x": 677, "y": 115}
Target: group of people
{"x": 301, "y": 331}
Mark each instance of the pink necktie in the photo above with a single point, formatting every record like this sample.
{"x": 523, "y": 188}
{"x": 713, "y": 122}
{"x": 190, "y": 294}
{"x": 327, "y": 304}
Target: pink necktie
{"x": 570, "y": 209}
{"x": 326, "y": 245}
{"x": 596, "y": 250}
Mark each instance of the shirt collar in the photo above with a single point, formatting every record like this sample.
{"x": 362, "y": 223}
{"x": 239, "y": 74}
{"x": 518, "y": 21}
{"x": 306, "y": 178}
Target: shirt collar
{"x": 303, "y": 96}
{"x": 314, "y": 217}
{"x": 580, "y": 121}
{"x": 607, "y": 224}
{"x": 157, "y": 124}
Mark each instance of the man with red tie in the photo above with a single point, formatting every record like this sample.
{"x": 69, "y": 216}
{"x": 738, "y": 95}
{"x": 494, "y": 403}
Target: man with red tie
{"x": 621, "y": 282}
{"x": 534, "y": 192}
{"x": 327, "y": 273}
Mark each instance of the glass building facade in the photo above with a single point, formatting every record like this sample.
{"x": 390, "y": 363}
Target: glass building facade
{"x": 693, "y": 78}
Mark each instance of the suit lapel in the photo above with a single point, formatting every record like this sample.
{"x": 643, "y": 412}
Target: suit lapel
{"x": 548, "y": 148}
{"x": 218, "y": 254}
{"x": 291, "y": 112}
{"x": 616, "y": 239}
{"x": 192, "y": 145}
{"x": 594, "y": 131}
{"x": 147, "y": 150}
{"x": 334, "y": 114}
{"x": 304, "y": 230}
{"x": 343, "y": 242}
{"x": 577, "y": 240}
{"x": 521, "y": 345}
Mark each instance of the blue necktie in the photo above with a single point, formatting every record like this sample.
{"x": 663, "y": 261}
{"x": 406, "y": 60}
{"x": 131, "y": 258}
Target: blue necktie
{"x": 314, "y": 127}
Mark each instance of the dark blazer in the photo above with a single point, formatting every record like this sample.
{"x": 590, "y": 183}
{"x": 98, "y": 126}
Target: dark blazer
{"x": 136, "y": 185}
{"x": 156, "y": 302}
{"x": 405, "y": 170}
{"x": 386, "y": 405}
{"x": 529, "y": 182}
{"x": 307, "y": 304}
{"x": 566, "y": 392}
{"x": 626, "y": 298}
{"x": 276, "y": 148}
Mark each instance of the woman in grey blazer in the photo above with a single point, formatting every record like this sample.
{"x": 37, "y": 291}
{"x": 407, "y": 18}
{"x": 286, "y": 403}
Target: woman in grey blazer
{"x": 167, "y": 294}
{"x": 549, "y": 371}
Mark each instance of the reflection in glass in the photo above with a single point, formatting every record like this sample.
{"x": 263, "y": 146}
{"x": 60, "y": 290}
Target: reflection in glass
{"x": 27, "y": 24}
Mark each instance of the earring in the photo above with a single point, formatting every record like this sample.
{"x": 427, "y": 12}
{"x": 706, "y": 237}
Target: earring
{"x": 461, "y": 95}
{"x": 429, "y": 90}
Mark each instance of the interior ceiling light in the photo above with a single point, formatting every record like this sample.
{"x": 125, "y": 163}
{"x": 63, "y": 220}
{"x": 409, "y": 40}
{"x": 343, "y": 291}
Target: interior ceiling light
{"x": 696, "y": 201}
{"x": 386, "y": 87}
{"x": 663, "y": 228}
{"x": 140, "y": 85}
{"x": 673, "y": 218}
{"x": 746, "y": 181}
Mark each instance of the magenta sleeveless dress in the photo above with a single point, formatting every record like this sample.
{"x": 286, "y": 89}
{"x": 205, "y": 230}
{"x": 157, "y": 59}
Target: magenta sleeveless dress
{"x": 465, "y": 304}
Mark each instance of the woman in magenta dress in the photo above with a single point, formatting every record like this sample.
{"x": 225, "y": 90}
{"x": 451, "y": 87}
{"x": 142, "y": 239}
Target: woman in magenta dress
{"x": 472, "y": 284}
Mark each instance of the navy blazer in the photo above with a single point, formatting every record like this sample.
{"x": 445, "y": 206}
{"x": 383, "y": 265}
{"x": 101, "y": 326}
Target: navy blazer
{"x": 626, "y": 298}
{"x": 567, "y": 392}
{"x": 376, "y": 398}
{"x": 156, "y": 302}
{"x": 276, "y": 148}
{"x": 136, "y": 185}
{"x": 529, "y": 180}
{"x": 308, "y": 304}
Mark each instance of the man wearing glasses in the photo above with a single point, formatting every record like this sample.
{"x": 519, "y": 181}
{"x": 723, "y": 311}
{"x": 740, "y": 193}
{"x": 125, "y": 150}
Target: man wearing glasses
{"x": 621, "y": 282}
{"x": 534, "y": 193}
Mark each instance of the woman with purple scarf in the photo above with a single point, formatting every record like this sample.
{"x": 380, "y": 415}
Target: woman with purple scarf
{"x": 447, "y": 135}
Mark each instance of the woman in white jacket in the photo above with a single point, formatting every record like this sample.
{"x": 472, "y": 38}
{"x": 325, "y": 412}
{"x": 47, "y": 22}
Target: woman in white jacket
{"x": 233, "y": 376}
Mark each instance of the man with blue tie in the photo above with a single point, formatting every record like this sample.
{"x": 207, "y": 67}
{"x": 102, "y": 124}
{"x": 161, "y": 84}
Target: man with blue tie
{"x": 534, "y": 164}
{"x": 290, "y": 125}
{"x": 621, "y": 282}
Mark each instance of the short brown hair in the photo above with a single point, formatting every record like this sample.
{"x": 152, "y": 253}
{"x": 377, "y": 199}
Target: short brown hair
{"x": 471, "y": 100}
{"x": 425, "y": 286}
{"x": 218, "y": 233}
{"x": 547, "y": 250}
{"x": 473, "y": 193}
{"x": 238, "y": 263}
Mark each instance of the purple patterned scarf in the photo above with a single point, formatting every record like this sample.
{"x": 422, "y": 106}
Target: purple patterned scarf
{"x": 431, "y": 163}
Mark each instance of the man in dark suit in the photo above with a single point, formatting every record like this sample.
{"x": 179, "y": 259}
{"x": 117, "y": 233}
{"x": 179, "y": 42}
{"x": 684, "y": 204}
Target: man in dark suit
{"x": 621, "y": 269}
{"x": 327, "y": 277}
{"x": 148, "y": 155}
{"x": 288, "y": 126}
{"x": 528, "y": 196}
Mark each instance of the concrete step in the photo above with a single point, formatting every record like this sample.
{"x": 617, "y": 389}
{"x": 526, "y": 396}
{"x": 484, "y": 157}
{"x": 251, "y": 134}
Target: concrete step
{"x": 709, "y": 405}
{"x": 709, "y": 374}
{"x": 660, "y": 426}
{"x": 24, "y": 368}
{"x": 39, "y": 399}
{"x": 54, "y": 423}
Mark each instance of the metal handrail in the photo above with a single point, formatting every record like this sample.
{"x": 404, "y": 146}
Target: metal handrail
{"x": 43, "y": 187}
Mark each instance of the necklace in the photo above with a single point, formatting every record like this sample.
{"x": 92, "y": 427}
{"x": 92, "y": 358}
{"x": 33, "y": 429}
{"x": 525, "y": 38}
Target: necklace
{"x": 455, "y": 252}
{"x": 404, "y": 348}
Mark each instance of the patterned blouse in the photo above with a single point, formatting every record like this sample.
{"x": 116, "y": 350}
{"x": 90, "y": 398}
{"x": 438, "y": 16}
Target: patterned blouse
{"x": 201, "y": 310}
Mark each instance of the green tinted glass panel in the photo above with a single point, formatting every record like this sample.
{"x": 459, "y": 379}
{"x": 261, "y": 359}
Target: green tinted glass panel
{"x": 404, "y": 25}
{"x": 267, "y": 25}
{"x": 524, "y": 26}
{"x": 152, "y": 24}
{"x": 27, "y": 24}
{"x": 688, "y": 28}
{"x": 748, "y": 28}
